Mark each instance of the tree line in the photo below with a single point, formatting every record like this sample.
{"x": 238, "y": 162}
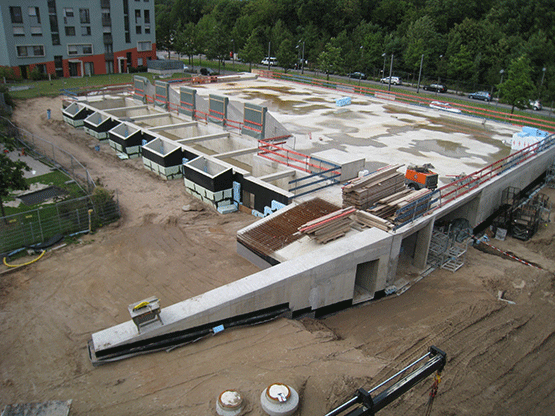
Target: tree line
{"x": 473, "y": 43}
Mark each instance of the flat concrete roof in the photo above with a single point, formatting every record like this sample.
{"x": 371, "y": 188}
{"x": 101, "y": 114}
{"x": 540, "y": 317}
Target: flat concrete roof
{"x": 381, "y": 131}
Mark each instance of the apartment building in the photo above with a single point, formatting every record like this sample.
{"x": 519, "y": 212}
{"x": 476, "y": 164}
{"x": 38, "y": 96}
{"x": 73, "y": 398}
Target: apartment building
{"x": 72, "y": 38}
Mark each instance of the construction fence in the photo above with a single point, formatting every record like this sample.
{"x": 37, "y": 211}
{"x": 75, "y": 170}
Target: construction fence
{"x": 35, "y": 228}
{"x": 49, "y": 154}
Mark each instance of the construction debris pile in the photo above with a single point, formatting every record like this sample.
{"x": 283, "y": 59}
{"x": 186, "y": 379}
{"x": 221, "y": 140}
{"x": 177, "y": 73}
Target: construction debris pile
{"x": 363, "y": 192}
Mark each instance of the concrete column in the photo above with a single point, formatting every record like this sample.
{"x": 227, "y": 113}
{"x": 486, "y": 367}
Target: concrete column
{"x": 423, "y": 245}
{"x": 394, "y": 259}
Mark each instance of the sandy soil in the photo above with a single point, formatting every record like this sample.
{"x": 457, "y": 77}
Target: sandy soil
{"x": 500, "y": 354}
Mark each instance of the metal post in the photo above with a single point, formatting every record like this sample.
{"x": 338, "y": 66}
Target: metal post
{"x": 502, "y": 72}
{"x": 420, "y": 74}
{"x": 383, "y": 70}
{"x": 233, "y": 53}
{"x": 302, "y": 63}
{"x": 390, "y": 71}
{"x": 541, "y": 84}
{"x": 269, "y": 62}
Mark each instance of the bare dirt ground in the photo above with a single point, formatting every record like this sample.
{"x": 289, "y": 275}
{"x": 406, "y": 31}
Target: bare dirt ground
{"x": 500, "y": 354}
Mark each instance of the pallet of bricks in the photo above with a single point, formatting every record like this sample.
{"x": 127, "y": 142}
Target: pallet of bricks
{"x": 365, "y": 191}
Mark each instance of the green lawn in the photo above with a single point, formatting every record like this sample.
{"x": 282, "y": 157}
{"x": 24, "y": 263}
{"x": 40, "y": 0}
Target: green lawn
{"x": 56, "y": 178}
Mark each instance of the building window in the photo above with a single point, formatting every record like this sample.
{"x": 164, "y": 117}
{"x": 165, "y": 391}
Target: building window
{"x": 72, "y": 49}
{"x": 34, "y": 12}
{"x": 38, "y": 50}
{"x": 139, "y": 61}
{"x": 68, "y": 11}
{"x": 53, "y": 23}
{"x": 144, "y": 46}
{"x": 55, "y": 38}
{"x": 85, "y": 30}
{"x": 138, "y": 30}
{"x": 84, "y": 16}
{"x": 22, "y": 51}
{"x": 18, "y": 31}
{"x": 70, "y": 31}
{"x": 137, "y": 16}
{"x": 30, "y": 50}
{"x": 147, "y": 16}
{"x": 15, "y": 13}
{"x": 36, "y": 30}
{"x": 87, "y": 50}
{"x": 109, "y": 67}
{"x": 147, "y": 30}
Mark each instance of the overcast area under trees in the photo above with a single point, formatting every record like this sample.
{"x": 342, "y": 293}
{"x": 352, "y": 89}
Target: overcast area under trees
{"x": 467, "y": 44}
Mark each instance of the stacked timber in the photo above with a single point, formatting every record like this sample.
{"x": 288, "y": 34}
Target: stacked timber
{"x": 387, "y": 208}
{"x": 371, "y": 220}
{"x": 365, "y": 191}
{"x": 329, "y": 227}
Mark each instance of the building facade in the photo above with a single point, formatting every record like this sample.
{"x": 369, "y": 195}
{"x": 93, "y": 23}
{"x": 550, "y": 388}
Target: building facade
{"x": 71, "y": 38}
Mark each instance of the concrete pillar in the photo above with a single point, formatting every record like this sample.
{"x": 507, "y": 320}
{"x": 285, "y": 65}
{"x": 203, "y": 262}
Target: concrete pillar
{"x": 423, "y": 245}
{"x": 394, "y": 259}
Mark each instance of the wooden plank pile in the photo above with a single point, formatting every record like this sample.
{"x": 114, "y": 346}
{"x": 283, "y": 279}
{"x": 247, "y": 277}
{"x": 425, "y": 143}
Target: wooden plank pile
{"x": 370, "y": 220}
{"x": 387, "y": 208}
{"x": 329, "y": 227}
{"x": 365, "y": 191}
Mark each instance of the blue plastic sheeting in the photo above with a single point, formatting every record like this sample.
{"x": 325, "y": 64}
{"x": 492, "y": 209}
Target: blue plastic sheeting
{"x": 341, "y": 102}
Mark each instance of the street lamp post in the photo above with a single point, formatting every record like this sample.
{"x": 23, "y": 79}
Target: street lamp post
{"x": 502, "y": 72}
{"x": 438, "y": 78}
{"x": 383, "y": 70}
{"x": 420, "y": 74}
{"x": 233, "y": 53}
{"x": 302, "y": 62}
{"x": 390, "y": 71}
{"x": 541, "y": 84}
{"x": 269, "y": 60}
{"x": 362, "y": 60}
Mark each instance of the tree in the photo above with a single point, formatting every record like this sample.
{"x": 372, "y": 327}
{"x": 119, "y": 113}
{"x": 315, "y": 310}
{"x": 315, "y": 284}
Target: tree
{"x": 329, "y": 60}
{"x": 286, "y": 54}
{"x": 252, "y": 51}
{"x": 187, "y": 42}
{"x": 11, "y": 172}
{"x": 518, "y": 88}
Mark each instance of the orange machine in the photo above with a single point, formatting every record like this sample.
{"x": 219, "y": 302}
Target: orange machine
{"x": 418, "y": 177}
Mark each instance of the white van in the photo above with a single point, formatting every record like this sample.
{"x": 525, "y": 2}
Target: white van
{"x": 271, "y": 60}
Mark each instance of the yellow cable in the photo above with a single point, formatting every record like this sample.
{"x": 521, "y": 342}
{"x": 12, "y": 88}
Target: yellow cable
{"x": 25, "y": 264}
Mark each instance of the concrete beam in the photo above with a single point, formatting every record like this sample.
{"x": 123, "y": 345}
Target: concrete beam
{"x": 278, "y": 175}
{"x": 134, "y": 107}
{"x": 235, "y": 153}
{"x": 203, "y": 138}
{"x": 173, "y": 126}
{"x": 147, "y": 116}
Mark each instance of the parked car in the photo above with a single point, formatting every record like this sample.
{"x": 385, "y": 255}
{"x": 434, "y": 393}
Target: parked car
{"x": 272, "y": 61}
{"x": 480, "y": 95}
{"x": 394, "y": 80}
{"x": 536, "y": 105}
{"x": 357, "y": 75}
{"x": 208, "y": 71}
{"x": 435, "y": 87}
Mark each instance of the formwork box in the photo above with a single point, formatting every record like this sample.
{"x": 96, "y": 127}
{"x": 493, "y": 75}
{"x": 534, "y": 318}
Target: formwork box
{"x": 127, "y": 139}
{"x": 167, "y": 156}
{"x": 209, "y": 174}
{"x": 264, "y": 192}
{"x": 75, "y": 114}
{"x": 99, "y": 124}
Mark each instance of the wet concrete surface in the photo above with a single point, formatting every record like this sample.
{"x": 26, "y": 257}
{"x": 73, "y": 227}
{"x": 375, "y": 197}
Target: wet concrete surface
{"x": 381, "y": 131}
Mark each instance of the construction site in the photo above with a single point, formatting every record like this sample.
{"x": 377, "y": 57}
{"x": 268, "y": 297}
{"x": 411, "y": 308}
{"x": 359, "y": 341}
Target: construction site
{"x": 310, "y": 240}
